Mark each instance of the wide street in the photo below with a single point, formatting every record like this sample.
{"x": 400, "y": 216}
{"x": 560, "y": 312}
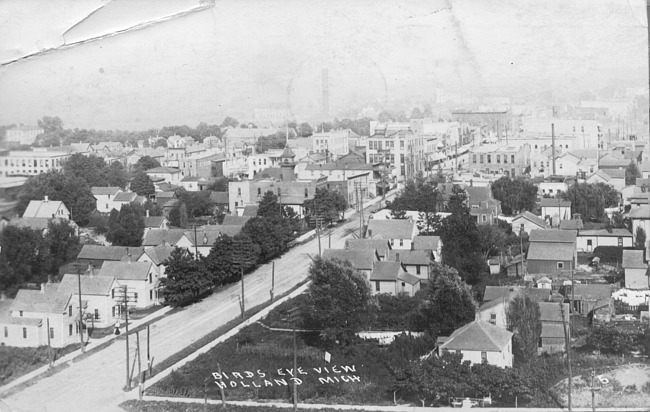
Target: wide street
{"x": 95, "y": 383}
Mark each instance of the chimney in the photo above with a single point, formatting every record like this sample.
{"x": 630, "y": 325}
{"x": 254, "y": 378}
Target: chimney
{"x": 397, "y": 257}
{"x": 42, "y": 287}
{"x": 47, "y": 199}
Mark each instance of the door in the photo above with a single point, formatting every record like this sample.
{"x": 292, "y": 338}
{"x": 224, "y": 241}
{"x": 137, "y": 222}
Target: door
{"x": 589, "y": 245}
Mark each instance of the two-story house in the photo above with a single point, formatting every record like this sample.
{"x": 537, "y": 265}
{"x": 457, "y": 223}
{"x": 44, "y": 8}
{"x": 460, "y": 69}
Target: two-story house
{"x": 140, "y": 278}
{"x": 105, "y": 197}
{"x": 400, "y": 232}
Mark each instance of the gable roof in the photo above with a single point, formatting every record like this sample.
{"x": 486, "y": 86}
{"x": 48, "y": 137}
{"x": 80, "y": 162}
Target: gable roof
{"x": 592, "y": 291}
{"x": 550, "y": 312}
{"x": 236, "y": 220}
{"x": 478, "y": 336}
{"x": 571, "y": 224}
{"x": 386, "y": 271}
{"x": 105, "y": 191}
{"x": 360, "y": 259}
{"x": 43, "y": 208}
{"x": 552, "y": 330}
{"x": 426, "y": 242}
{"x": 125, "y": 270}
{"x": 633, "y": 259}
{"x": 390, "y": 228}
{"x": 531, "y": 218}
{"x": 90, "y": 285}
{"x": 553, "y": 236}
{"x": 48, "y": 301}
{"x": 380, "y": 245}
{"x": 108, "y": 253}
{"x": 550, "y": 251}
{"x": 154, "y": 221}
{"x": 478, "y": 194}
{"x": 411, "y": 257}
{"x": 554, "y": 202}
{"x": 125, "y": 197}
{"x": 620, "y": 232}
{"x": 155, "y": 237}
{"x": 159, "y": 253}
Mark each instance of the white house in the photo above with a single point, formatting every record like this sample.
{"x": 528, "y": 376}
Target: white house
{"x": 98, "y": 294}
{"x": 361, "y": 260}
{"x": 527, "y": 221}
{"x": 392, "y": 278}
{"x": 415, "y": 262}
{"x": 157, "y": 255}
{"x": 636, "y": 270}
{"x": 431, "y": 243}
{"x": 140, "y": 278}
{"x": 480, "y": 342}
{"x": 47, "y": 208}
{"x": 400, "y": 232}
{"x": 35, "y": 314}
{"x": 169, "y": 174}
{"x": 495, "y": 312}
{"x": 126, "y": 198}
{"x": 105, "y": 197}
{"x": 588, "y": 240}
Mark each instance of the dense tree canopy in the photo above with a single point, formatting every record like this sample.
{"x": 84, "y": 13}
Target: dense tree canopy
{"x": 73, "y": 191}
{"x": 185, "y": 279}
{"x": 142, "y": 185}
{"x": 590, "y": 200}
{"x": 450, "y": 304}
{"x": 340, "y": 299}
{"x": 632, "y": 172}
{"x": 524, "y": 320}
{"x": 126, "y": 227}
{"x": 326, "y": 204}
{"x": 516, "y": 195}
{"x": 145, "y": 163}
{"x": 197, "y": 203}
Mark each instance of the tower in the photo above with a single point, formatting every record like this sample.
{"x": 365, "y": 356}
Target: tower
{"x": 287, "y": 165}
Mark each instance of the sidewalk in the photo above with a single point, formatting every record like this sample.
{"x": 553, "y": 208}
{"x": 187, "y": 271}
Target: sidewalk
{"x": 90, "y": 346}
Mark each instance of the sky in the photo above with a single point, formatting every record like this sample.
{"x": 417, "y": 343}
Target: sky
{"x": 139, "y": 64}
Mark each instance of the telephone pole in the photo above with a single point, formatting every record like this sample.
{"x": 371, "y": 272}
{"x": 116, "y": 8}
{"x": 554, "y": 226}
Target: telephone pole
{"x": 81, "y": 326}
{"x": 567, "y": 343}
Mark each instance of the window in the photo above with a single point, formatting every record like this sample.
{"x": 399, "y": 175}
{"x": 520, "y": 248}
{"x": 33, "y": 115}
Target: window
{"x": 239, "y": 191}
{"x": 106, "y": 205}
{"x": 512, "y": 158}
{"x": 259, "y": 191}
{"x": 112, "y": 293}
{"x": 21, "y": 313}
{"x": 484, "y": 218}
{"x": 401, "y": 158}
{"x": 96, "y": 314}
{"x": 24, "y": 333}
{"x": 560, "y": 265}
{"x": 377, "y": 286}
{"x": 417, "y": 269}
{"x": 480, "y": 158}
{"x": 403, "y": 284}
{"x": 493, "y": 318}
{"x": 499, "y": 158}
{"x": 473, "y": 158}
{"x": 392, "y": 242}
{"x": 590, "y": 242}
{"x": 484, "y": 357}
{"x": 51, "y": 333}
{"x": 401, "y": 144}
{"x": 135, "y": 296}
{"x": 150, "y": 278}
{"x": 505, "y": 158}
{"x": 458, "y": 352}
{"x": 489, "y": 158}
{"x": 70, "y": 310}
{"x": 620, "y": 241}
{"x": 150, "y": 294}
{"x": 306, "y": 192}
{"x": 401, "y": 242}
{"x": 6, "y": 332}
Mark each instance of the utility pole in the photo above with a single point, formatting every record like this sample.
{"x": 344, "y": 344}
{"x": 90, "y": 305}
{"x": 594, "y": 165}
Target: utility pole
{"x": 196, "y": 245}
{"x": 567, "y": 343}
{"x": 81, "y": 326}
{"x": 49, "y": 344}
{"x": 593, "y": 389}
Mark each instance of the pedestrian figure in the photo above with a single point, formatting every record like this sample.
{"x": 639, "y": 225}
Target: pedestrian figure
{"x": 117, "y": 328}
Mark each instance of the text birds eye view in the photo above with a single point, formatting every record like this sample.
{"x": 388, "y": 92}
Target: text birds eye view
{"x": 324, "y": 205}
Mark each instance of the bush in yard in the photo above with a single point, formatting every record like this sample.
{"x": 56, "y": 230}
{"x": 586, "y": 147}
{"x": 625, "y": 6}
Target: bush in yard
{"x": 610, "y": 254}
{"x": 610, "y": 340}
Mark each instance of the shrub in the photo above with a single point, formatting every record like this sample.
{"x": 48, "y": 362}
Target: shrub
{"x": 610, "y": 254}
{"x": 610, "y": 340}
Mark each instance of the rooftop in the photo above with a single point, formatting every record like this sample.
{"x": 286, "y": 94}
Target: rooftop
{"x": 426, "y": 242}
{"x": 478, "y": 336}
{"x": 554, "y": 202}
{"x": 411, "y": 257}
{"x": 360, "y": 259}
{"x": 125, "y": 270}
{"x": 553, "y": 236}
{"x": 390, "y": 229}
{"x": 114, "y": 253}
{"x": 105, "y": 191}
{"x": 550, "y": 251}
{"x": 43, "y": 208}
{"x": 531, "y": 218}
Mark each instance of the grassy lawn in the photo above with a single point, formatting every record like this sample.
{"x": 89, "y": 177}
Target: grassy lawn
{"x": 258, "y": 351}
{"x": 154, "y": 406}
{"x": 15, "y": 362}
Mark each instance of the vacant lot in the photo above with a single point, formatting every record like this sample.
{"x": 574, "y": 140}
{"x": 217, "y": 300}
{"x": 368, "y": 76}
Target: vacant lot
{"x": 15, "y": 362}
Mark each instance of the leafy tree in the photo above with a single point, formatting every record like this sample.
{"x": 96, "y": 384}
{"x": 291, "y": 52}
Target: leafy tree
{"x": 63, "y": 244}
{"x": 305, "y": 130}
{"x": 229, "y": 122}
{"x": 126, "y": 227}
{"x": 340, "y": 299}
{"x": 269, "y": 206}
{"x": 142, "y": 185}
{"x": 399, "y": 313}
{"x": 153, "y": 208}
{"x": 524, "y": 320}
{"x": 632, "y": 172}
{"x": 26, "y": 255}
{"x": 328, "y": 204}
{"x": 590, "y": 200}
{"x": 449, "y": 302}
{"x": 53, "y": 132}
{"x": 640, "y": 238}
{"x": 268, "y": 235}
{"x": 228, "y": 256}
{"x": 492, "y": 240}
{"x": 146, "y": 163}
{"x": 73, "y": 191}
{"x": 461, "y": 240}
{"x": 178, "y": 215}
{"x": 516, "y": 195}
{"x": 197, "y": 203}
{"x": 610, "y": 341}
{"x": 184, "y": 280}
{"x": 220, "y": 184}
{"x": 88, "y": 168}
{"x": 114, "y": 175}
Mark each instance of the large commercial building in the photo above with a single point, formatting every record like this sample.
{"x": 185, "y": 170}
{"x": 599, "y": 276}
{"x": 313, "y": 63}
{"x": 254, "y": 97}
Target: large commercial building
{"x": 30, "y": 162}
